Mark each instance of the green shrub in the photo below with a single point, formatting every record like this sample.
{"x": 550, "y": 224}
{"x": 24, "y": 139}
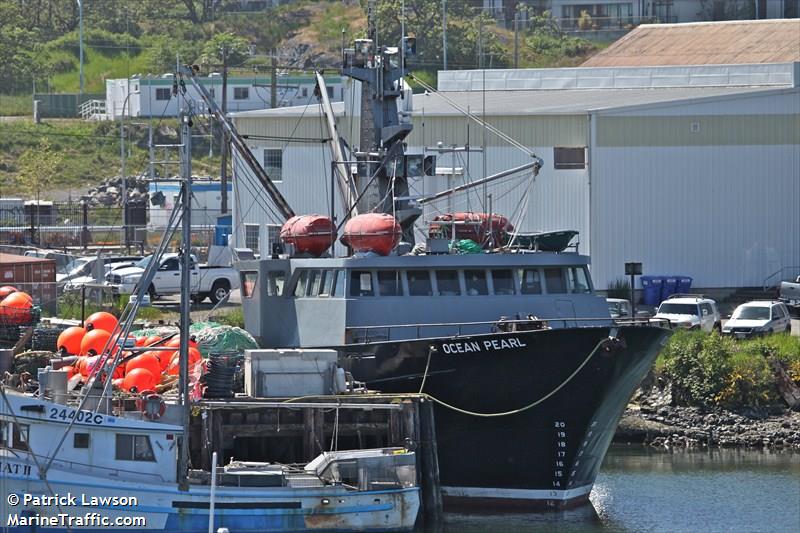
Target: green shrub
{"x": 234, "y": 317}
{"x": 708, "y": 369}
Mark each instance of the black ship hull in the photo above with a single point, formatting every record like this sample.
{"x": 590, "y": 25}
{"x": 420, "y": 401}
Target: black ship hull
{"x": 567, "y": 389}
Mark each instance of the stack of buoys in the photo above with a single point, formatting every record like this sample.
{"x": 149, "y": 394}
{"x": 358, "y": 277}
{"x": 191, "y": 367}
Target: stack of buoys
{"x": 15, "y": 306}
{"x": 138, "y": 374}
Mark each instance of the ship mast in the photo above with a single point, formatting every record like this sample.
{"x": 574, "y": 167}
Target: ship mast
{"x": 186, "y": 292}
{"x": 380, "y": 70}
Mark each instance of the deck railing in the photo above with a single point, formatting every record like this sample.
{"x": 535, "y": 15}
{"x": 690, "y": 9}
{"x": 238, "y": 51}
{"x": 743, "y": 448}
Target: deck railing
{"x": 423, "y": 331}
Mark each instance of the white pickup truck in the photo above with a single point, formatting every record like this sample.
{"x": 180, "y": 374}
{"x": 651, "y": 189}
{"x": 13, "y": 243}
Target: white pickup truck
{"x": 213, "y": 282}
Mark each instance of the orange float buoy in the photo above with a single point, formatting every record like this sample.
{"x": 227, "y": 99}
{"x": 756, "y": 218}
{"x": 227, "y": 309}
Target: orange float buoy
{"x": 147, "y": 361}
{"x": 89, "y": 365}
{"x": 176, "y": 343}
{"x": 70, "y": 371}
{"x": 149, "y": 341}
{"x": 372, "y": 232}
{"x": 139, "y": 341}
{"x": 70, "y": 340}
{"x": 101, "y": 320}
{"x": 139, "y": 379}
{"x": 16, "y": 308}
{"x": 5, "y": 290}
{"x": 164, "y": 358}
{"x": 117, "y": 383}
{"x": 94, "y": 341}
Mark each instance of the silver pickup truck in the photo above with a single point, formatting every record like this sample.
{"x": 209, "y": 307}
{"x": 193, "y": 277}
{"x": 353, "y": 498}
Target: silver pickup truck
{"x": 790, "y": 295}
{"x": 209, "y": 282}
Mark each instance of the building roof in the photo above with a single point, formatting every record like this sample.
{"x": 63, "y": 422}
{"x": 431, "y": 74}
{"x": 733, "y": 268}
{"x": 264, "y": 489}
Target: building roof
{"x": 11, "y": 259}
{"x": 704, "y": 43}
{"x": 535, "y": 102}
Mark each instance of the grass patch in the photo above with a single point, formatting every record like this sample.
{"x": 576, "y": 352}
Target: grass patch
{"x": 234, "y": 317}
{"x": 708, "y": 369}
{"x": 12, "y": 105}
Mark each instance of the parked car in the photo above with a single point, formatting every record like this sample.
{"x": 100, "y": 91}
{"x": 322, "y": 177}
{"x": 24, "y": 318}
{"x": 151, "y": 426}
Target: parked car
{"x": 75, "y": 284}
{"x": 84, "y": 266}
{"x": 213, "y": 282}
{"x": 760, "y": 317}
{"x": 619, "y": 308}
{"x": 689, "y": 312}
{"x": 790, "y": 295}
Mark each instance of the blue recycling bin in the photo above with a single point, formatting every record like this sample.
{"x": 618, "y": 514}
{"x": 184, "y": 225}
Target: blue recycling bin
{"x": 684, "y": 284}
{"x": 669, "y": 286}
{"x": 651, "y": 288}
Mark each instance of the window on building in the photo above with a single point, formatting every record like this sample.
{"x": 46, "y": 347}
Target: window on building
{"x": 249, "y": 281}
{"x": 503, "y": 281}
{"x": 134, "y": 448}
{"x": 554, "y": 281}
{"x": 419, "y": 283}
{"x": 80, "y": 440}
{"x": 577, "y": 280}
{"x": 304, "y": 92}
{"x": 475, "y": 282}
{"x": 361, "y": 283}
{"x": 273, "y": 163}
{"x": 251, "y": 236}
{"x": 390, "y": 283}
{"x": 447, "y": 280}
{"x": 163, "y": 94}
{"x": 330, "y": 92}
{"x": 275, "y": 281}
{"x": 212, "y": 93}
{"x": 241, "y": 93}
{"x": 531, "y": 281}
{"x": 569, "y": 158}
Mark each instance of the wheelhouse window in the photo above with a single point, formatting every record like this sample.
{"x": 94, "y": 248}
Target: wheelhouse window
{"x": 577, "y": 280}
{"x": 390, "y": 283}
{"x": 80, "y": 441}
{"x": 275, "y": 282}
{"x": 134, "y": 448}
{"x": 419, "y": 283}
{"x": 447, "y": 280}
{"x": 361, "y": 283}
{"x": 531, "y": 282}
{"x": 503, "y": 281}
{"x": 327, "y": 284}
{"x": 314, "y": 282}
{"x": 300, "y": 286}
{"x": 554, "y": 281}
{"x": 475, "y": 282}
{"x": 14, "y": 436}
{"x": 249, "y": 281}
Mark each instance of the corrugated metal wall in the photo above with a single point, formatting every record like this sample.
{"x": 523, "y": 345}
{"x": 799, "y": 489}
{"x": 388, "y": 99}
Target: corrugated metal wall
{"x": 559, "y": 198}
{"x": 718, "y": 201}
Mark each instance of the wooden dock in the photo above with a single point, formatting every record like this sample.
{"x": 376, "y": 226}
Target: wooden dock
{"x": 296, "y": 431}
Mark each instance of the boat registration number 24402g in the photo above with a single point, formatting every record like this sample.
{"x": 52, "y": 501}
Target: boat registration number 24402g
{"x": 488, "y": 345}
{"x": 85, "y": 417}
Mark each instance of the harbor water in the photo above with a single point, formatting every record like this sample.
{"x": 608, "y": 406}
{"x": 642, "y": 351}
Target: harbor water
{"x": 641, "y": 489}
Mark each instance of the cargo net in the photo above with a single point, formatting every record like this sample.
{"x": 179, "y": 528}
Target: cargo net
{"x": 211, "y": 337}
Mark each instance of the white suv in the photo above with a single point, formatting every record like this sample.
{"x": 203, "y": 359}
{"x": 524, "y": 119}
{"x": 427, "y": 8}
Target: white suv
{"x": 758, "y": 318}
{"x": 689, "y": 312}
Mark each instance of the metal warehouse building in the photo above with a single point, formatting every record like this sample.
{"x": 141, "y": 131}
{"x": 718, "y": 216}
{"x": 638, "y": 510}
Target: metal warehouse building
{"x": 690, "y": 170}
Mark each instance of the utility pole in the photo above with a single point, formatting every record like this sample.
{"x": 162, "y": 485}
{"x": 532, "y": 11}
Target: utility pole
{"x": 516, "y": 38}
{"x": 444, "y": 33}
{"x": 273, "y": 84}
{"x": 223, "y": 171}
{"x": 80, "y": 44}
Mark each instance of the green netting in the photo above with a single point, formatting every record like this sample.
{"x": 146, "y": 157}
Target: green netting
{"x": 466, "y": 246}
{"x": 211, "y": 337}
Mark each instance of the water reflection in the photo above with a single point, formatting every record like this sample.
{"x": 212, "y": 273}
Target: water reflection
{"x": 642, "y": 489}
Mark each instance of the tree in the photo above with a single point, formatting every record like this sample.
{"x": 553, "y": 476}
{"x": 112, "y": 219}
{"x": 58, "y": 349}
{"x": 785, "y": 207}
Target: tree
{"x": 468, "y": 27}
{"x": 225, "y": 49}
{"x": 37, "y": 167}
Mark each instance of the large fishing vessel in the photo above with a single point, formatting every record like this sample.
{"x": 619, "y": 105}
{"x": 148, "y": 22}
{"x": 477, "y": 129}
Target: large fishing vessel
{"x": 529, "y": 373}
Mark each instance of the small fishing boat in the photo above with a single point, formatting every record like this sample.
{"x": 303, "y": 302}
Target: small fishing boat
{"x": 118, "y": 473}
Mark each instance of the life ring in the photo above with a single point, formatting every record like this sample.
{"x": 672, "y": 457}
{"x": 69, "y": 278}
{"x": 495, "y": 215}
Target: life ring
{"x": 151, "y": 405}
